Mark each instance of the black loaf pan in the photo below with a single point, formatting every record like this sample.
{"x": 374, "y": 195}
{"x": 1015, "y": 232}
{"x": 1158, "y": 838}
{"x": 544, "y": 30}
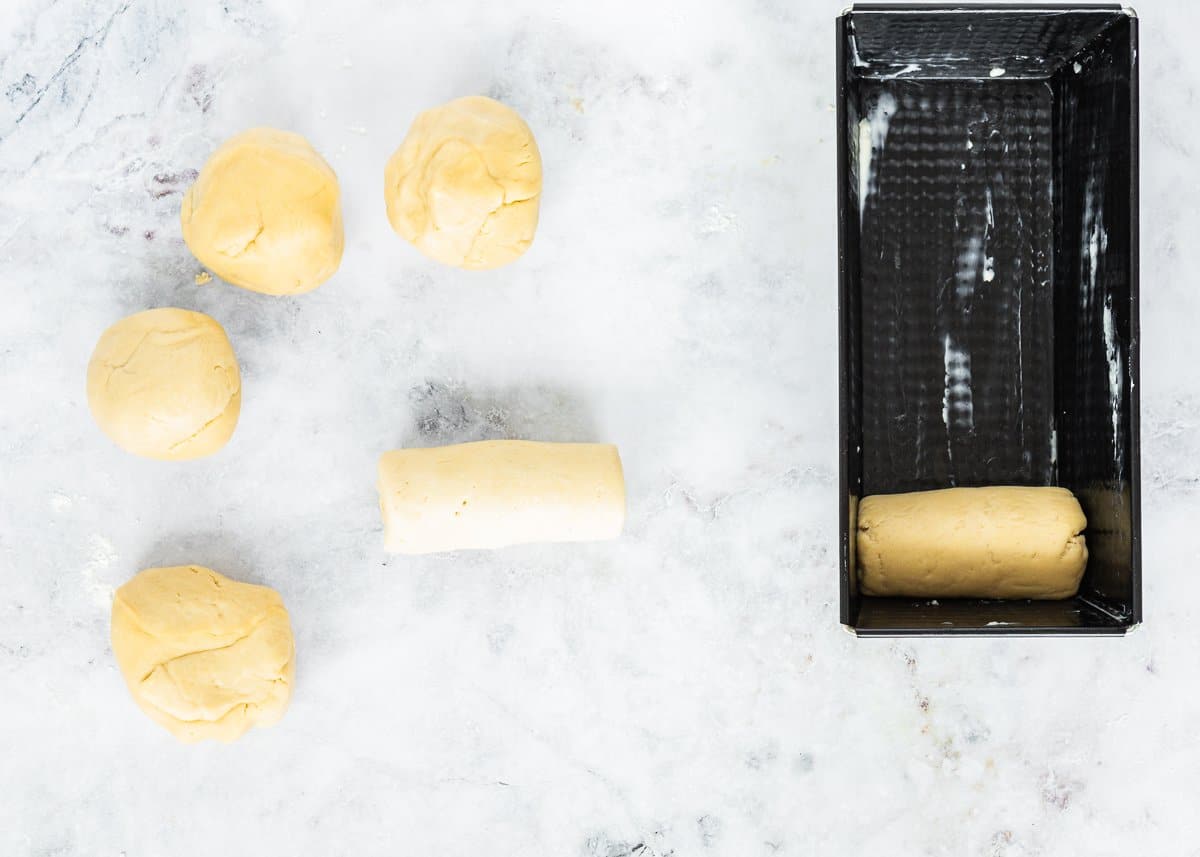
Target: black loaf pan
{"x": 988, "y": 266}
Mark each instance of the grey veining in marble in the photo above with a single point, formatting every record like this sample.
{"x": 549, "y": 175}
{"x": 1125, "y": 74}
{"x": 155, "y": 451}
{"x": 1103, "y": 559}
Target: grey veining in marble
{"x": 685, "y": 690}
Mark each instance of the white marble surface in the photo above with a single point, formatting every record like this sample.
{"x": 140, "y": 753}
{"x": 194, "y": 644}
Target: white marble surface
{"x": 686, "y": 690}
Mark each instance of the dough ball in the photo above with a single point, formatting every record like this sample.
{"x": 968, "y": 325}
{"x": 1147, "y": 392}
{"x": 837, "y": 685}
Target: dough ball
{"x": 464, "y": 186}
{"x": 203, "y": 655}
{"x": 265, "y": 214}
{"x": 164, "y": 383}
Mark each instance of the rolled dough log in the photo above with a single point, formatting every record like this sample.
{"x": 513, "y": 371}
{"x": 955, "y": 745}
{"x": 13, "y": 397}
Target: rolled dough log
{"x": 495, "y": 493}
{"x": 996, "y": 542}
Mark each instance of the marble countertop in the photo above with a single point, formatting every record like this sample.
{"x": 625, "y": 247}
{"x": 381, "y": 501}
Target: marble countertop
{"x": 685, "y": 690}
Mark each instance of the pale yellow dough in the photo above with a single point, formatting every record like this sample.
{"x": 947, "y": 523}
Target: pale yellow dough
{"x": 996, "y": 542}
{"x": 203, "y": 655}
{"x": 500, "y": 492}
{"x": 465, "y": 184}
{"x": 164, "y": 383}
{"x": 265, "y": 214}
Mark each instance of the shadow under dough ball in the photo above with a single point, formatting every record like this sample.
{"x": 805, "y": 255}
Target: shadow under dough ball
{"x": 164, "y": 383}
{"x": 265, "y": 214}
{"x": 204, "y": 656}
{"x": 465, "y": 184}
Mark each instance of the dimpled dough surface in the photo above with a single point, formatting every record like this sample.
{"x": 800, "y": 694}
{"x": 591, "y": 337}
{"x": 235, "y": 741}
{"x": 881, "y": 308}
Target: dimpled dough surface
{"x": 995, "y": 542}
{"x": 464, "y": 185}
{"x": 203, "y": 655}
{"x": 265, "y": 214}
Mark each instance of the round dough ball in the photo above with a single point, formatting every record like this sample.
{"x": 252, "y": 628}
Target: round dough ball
{"x": 164, "y": 384}
{"x": 265, "y": 214}
{"x": 203, "y": 655}
{"x": 464, "y": 186}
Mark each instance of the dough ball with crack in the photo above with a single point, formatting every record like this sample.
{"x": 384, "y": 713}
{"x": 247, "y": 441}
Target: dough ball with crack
{"x": 465, "y": 184}
{"x": 203, "y": 655}
{"x": 164, "y": 383}
{"x": 265, "y": 214}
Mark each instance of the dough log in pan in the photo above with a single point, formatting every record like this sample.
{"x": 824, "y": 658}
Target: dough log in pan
{"x": 995, "y": 542}
{"x": 495, "y": 493}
